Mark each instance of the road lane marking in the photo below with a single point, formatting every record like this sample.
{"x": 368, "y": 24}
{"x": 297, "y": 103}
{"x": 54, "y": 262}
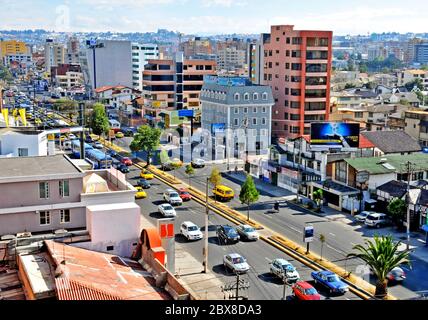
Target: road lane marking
{"x": 332, "y": 234}
{"x": 334, "y": 249}
{"x": 268, "y": 260}
{"x": 292, "y": 228}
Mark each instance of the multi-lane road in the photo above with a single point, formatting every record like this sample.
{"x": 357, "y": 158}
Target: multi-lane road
{"x": 263, "y": 285}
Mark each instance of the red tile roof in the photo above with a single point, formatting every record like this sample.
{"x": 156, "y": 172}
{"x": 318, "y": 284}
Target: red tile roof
{"x": 90, "y": 275}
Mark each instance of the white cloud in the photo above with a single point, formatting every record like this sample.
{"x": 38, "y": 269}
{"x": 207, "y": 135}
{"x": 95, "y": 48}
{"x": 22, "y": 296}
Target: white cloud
{"x": 223, "y": 3}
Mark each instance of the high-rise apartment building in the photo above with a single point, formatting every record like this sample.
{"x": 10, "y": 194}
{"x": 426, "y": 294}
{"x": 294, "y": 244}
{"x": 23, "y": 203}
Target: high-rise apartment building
{"x": 196, "y": 46}
{"x": 55, "y": 54}
{"x": 12, "y": 47}
{"x": 73, "y": 50}
{"x": 109, "y": 63}
{"x": 141, "y": 54}
{"x": 174, "y": 85}
{"x": 421, "y": 53}
{"x": 297, "y": 66}
{"x": 231, "y": 59}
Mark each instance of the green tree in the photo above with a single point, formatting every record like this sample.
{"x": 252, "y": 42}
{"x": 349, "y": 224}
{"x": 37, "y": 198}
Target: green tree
{"x": 397, "y": 209}
{"x": 382, "y": 255}
{"x": 66, "y": 106}
{"x": 146, "y": 139}
{"x": 99, "y": 120}
{"x": 318, "y": 196}
{"x": 190, "y": 172}
{"x": 249, "y": 194}
{"x": 363, "y": 68}
{"x": 215, "y": 177}
{"x": 5, "y": 74}
{"x": 414, "y": 83}
{"x": 164, "y": 158}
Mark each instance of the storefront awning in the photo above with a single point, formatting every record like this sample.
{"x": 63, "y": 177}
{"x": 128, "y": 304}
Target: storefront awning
{"x": 335, "y": 188}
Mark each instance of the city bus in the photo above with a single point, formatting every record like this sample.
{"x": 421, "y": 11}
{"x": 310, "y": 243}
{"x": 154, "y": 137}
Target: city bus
{"x": 75, "y": 148}
{"x": 99, "y": 159}
{"x": 114, "y": 125}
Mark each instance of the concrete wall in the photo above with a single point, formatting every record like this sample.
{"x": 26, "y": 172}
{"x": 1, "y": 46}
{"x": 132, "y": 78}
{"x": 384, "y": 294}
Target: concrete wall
{"x": 380, "y": 179}
{"x": 30, "y": 221}
{"x": 113, "y": 64}
{"x": 27, "y": 193}
{"x": 116, "y": 225}
{"x": 36, "y": 144}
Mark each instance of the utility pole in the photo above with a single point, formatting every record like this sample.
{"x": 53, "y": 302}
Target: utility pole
{"x": 206, "y": 229}
{"x": 232, "y": 289}
{"x": 409, "y": 170}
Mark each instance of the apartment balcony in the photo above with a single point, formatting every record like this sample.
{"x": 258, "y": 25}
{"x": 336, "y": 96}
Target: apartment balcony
{"x": 316, "y": 74}
{"x": 318, "y": 99}
{"x": 321, "y": 86}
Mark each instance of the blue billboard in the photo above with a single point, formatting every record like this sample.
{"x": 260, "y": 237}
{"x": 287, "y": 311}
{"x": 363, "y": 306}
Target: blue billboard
{"x": 185, "y": 113}
{"x": 335, "y": 135}
{"x": 218, "y": 128}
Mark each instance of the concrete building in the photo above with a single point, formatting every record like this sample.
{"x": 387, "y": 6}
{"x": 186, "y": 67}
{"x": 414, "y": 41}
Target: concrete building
{"x": 23, "y": 143}
{"x": 73, "y": 51}
{"x": 43, "y": 194}
{"x": 231, "y": 59}
{"x": 256, "y": 61}
{"x": 55, "y": 54}
{"x": 421, "y": 53}
{"x": 113, "y": 63}
{"x": 416, "y": 125}
{"x": 407, "y": 76}
{"x": 171, "y": 85}
{"x": 238, "y": 105}
{"x": 195, "y": 46}
{"x": 13, "y": 48}
{"x": 141, "y": 54}
{"x": 297, "y": 66}
{"x": 67, "y": 76}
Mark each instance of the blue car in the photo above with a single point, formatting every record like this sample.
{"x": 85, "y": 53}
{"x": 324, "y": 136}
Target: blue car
{"x": 331, "y": 281}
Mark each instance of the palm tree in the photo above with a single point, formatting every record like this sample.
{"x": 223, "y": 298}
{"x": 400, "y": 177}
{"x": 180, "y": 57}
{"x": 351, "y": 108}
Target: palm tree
{"x": 382, "y": 256}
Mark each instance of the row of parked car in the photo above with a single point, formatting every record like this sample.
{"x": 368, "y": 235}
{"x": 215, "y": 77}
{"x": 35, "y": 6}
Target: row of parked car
{"x": 373, "y": 219}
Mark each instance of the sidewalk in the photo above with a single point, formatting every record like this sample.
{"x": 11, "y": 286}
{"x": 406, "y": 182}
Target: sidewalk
{"x": 263, "y": 187}
{"x": 188, "y": 269}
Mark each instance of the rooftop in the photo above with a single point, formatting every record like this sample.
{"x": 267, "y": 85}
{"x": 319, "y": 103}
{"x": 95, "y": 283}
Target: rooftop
{"x": 99, "y": 274}
{"x": 36, "y": 166}
{"x": 395, "y": 141}
{"x": 393, "y": 163}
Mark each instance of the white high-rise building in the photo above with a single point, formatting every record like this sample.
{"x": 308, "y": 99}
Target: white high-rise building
{"x": 141, "y": 54}
{"x": 54, "y": 54}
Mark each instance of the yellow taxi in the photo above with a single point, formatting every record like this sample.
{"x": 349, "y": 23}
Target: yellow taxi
{"x": 223, "y": 193}
{"x": 119, "y": 135}
{"x": 38, "y": 122}
{"x": 141, "y": 194}
{"x": 94, "y": 137}
{"x": 29, "y": 116}
{"x": 146, "y": 175}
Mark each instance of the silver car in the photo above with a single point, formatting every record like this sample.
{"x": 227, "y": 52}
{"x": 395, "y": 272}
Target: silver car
{"x": 167, "y": 210}
{"x": 248, "y": 232}
{"x": 236, "y": 263}
{"x": 362, "y": 216}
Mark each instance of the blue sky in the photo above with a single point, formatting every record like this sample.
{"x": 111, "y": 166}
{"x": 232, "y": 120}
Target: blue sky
{"x": 215, "y": 16}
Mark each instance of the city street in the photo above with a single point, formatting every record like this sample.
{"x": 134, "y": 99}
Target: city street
{"x": 262, "y": 284}
{"x": 340, "y": 236}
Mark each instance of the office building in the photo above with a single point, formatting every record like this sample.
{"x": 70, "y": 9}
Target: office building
{"x": 421, "y": 53}
{"x": 231, "y": 59}
{"x": 73, "y": 51}
{"x": 55, "y": 54}
{"x": 237, "y": 104}
{"x": 171, "y": 85}
{"x": 141, "y": 54}
{"x": 67, "y": 76}
{"x": 297, "y": 66}
{"x": 109, "y": 63}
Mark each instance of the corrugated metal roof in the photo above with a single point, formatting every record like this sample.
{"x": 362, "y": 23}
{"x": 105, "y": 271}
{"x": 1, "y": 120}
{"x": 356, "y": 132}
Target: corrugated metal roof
{"x": 67, "y": 289}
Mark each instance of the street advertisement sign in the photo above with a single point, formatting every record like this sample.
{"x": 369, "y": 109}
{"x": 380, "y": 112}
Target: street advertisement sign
{"x": 363, "y": 176}
{"x": 308, "y": 234}
{"x": 218, "y": 128}
{"x": 335, "y": 135}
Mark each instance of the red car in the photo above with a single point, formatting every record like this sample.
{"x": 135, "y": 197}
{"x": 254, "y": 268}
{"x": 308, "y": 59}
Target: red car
{"x": 184, "y": 195}
{"x": 304, "y": 291}
{"x": 126, "y": 161}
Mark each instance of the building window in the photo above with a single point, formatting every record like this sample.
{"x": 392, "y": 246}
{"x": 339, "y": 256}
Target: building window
{"x": 64, "y": 188}
{"x": 64, "y": 216}
{"x": 263, "y": 121}
{"x": 44, "y": 190}
{"x": 264, "y": 109}
{"x": 246, "y": 96}
{"x": 287, "y": 53}
{"x": 44, "y": 218}
{"x": 236, "y": 121}
{"x": 265, "y": 96}
{"x": 236, "y": 110}
{"x": 245, "y": 110}
{"x": 254, "y": 110}
{"x": 110, "y": 248}
{"x": 358, "y": 114}
{"x": 237, "y": 96}
{"x": 255, "y": 121}
{"x": 22, "y": 152}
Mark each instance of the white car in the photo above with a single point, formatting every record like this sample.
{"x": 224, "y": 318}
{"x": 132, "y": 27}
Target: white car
{"x": 172, "y": 197}
{"x": 167, "y": 210}
{"x": 247, "y": 232}
{"x": 284, "y": 270}
{"x": 98, "y": 145}
{"x": 198, "y": 163}
{"x": 236, "y": 263}
{"x": 362, "y": 216}
{"x": 397, "y": 274}
{"x": 191, "y": 231}
{"x": 376, "y": 220}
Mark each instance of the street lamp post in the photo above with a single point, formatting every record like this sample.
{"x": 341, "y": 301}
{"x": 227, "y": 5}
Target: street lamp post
{"x": 205, "y": 251}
